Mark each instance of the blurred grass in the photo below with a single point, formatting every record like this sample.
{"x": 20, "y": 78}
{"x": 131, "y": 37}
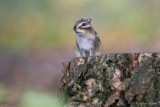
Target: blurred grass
{"x": 30, "y": 98}
{"x": 3, "y": 94}
{"x": 39, "y": 99}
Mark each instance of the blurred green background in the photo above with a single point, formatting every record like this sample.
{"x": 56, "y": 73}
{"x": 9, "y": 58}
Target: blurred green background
{"x": 36, "y": 36}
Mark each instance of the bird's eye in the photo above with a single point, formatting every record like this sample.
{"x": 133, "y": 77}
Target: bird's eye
{"x": 83, "y": 24}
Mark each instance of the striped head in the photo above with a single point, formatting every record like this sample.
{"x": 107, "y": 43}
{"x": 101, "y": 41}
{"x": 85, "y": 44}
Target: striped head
{"x": 83, "y": 26}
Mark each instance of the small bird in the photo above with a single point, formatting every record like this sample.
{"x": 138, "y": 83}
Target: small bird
{"x": 87, "y": 39}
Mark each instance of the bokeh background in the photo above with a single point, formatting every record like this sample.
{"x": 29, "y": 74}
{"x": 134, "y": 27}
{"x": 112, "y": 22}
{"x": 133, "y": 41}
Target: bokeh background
{"x": 36, "y": 36}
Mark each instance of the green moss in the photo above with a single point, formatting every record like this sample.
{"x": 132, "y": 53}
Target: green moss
{"x": 89, "y": 65}
{"x": 112, "y": 67}
{"x": 67, "y": 99}
{"x": 81, "y": 96}
{"x": 67, "y": 92}
{"x": 84, "y": 89}
{"x": 77, "y": 104}
{"x": 141, "y": 104}
{"x": 104, "y": 64}
{"x": 94, "y": 67}
{"x": 78, "y": 81}
{"x": 90, "y": 100}
{"x": 86, "y": 61}
{"x": 108, "y": 91}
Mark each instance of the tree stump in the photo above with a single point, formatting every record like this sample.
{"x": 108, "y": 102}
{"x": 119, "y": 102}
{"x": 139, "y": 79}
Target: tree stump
{"x": 114, "y": 80}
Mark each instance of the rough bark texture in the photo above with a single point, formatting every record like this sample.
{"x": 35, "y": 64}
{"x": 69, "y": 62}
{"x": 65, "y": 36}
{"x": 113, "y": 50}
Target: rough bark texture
{"x": 114, "y": 80}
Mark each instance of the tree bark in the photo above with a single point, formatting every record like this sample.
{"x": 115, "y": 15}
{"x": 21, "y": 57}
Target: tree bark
{"x": 116, "y": 80}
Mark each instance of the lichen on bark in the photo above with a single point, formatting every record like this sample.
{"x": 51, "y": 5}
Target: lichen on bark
{"x": 112, "y": 80}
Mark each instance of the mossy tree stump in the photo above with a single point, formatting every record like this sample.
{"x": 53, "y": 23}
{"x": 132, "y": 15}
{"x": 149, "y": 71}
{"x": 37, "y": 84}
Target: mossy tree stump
{"x": 116, "y": 80}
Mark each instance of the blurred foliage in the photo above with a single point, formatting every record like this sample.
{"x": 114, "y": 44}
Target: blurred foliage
{"x": 39, "y": 99}
{"x": 3, "y": 94}
{"x": 32, "y": 24}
